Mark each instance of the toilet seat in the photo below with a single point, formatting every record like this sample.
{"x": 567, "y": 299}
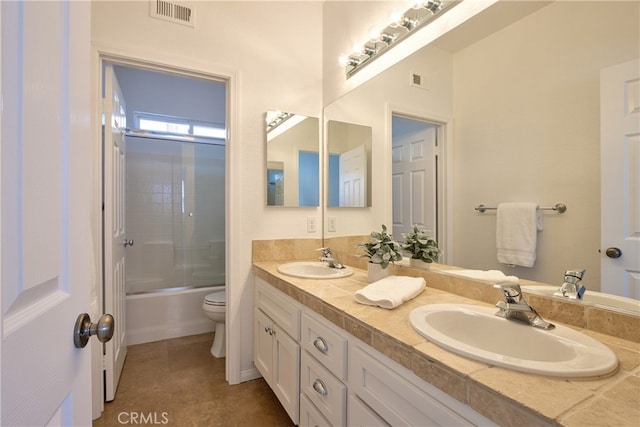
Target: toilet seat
{"x": 218, "y": 298}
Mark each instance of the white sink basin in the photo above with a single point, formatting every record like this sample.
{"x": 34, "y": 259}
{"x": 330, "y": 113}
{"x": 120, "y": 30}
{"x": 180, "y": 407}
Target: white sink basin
{"x": 476, "y": 332}
{"x": 592, "y": 297}
{"x": 313, "y": 270}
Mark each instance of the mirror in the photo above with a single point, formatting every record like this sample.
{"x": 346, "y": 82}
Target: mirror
{"x": 348, "y": 165}
{"x": 520, "y": 108}
{"x": 293, "y": 171}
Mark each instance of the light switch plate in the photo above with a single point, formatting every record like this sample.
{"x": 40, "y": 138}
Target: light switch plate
{"x": 311, "y": 224}
{"x": 331, "y": 224}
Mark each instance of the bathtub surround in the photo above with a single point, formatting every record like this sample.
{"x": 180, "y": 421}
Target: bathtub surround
{"x": 494, "y": 392}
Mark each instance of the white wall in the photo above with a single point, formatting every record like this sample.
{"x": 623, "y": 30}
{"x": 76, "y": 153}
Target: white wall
{"x": 269, "y": 48}
{"x": 544, "y": 69}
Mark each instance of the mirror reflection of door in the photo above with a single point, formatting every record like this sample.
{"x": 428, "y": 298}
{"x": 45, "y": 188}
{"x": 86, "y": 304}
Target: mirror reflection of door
{"x": 414, "y": 175}
{"x": 353, "y": 177}
{"x": 349, "y": 171}
{"x": 275, "y": 184}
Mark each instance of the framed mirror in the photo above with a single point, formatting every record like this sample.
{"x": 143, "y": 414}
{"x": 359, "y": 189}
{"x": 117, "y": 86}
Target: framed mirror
{"x": 348, "y": 165}
{"x": 293, "y": 161}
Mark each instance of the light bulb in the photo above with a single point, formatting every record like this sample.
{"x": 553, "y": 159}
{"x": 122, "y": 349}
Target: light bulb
{"x": 396, "y": 18}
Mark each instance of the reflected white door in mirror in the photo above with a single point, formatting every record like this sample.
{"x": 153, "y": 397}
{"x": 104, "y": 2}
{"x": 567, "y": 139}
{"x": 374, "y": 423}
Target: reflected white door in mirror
{"x": 413, "y": 176}
{"x": 620, "y": 150}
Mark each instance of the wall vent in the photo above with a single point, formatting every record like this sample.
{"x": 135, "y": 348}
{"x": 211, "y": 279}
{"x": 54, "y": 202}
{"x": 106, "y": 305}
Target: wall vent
{"x": 418, "y": 80}
{"x": 172, "y": 12}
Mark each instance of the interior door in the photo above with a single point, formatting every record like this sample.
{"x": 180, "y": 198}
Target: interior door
{"x": 353, "y": 177}
{"x": 46, "y": 199}
{"x": 620, "y": 171}
{"x": 115, "y": 243}
{"x": 413, "y": 175}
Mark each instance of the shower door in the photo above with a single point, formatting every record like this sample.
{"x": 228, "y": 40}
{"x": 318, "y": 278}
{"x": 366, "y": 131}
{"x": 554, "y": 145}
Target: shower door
{"x": 175, "y": 214}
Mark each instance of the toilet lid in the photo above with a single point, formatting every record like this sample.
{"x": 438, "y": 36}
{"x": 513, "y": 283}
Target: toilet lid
{"x": 216, "y": 298}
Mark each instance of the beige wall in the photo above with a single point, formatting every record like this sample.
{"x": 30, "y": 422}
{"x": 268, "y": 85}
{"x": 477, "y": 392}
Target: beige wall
{"x": 527, "y": 114}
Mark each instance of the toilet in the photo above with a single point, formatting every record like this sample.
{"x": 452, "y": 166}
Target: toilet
{"x": 214, "y": 307}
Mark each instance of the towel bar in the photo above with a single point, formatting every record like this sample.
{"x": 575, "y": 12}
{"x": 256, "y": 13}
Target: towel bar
{"x": 558, "y": 207}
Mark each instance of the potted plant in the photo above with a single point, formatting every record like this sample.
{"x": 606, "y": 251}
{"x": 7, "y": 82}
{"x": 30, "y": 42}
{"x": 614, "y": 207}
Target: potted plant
{"x": 423, "y": 249}
{"x": 381, "y": 250}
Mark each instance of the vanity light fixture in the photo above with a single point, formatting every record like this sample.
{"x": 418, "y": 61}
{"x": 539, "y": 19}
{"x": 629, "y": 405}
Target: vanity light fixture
{"x": 275, "y": 119}
{"x": 400, "y": 26}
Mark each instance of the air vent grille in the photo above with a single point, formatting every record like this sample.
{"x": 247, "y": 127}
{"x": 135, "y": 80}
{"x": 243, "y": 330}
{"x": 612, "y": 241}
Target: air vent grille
{"x": 172, "y": 12}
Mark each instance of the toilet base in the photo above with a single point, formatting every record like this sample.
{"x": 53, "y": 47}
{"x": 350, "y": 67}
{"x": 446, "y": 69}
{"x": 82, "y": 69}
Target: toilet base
{"x": 218, "y": 347}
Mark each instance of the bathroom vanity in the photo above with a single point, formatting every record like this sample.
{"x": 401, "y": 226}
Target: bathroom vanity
{"x": 362, "y": 365}
{"x": 339, "y": 378}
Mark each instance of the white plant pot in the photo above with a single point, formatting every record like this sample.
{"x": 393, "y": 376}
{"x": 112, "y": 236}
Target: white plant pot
{"x": 418, "y": 263}
{"x": 375, "y": 272}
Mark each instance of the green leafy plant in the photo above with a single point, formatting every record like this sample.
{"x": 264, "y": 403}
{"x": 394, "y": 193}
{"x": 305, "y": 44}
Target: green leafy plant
{"x": 420, "y": 245}
{"x": 381, "y": 248}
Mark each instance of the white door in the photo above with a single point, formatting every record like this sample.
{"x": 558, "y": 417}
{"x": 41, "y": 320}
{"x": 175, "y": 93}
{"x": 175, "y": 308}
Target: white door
{"x": 46, "y": 195}
{"x": 353, "y": 177}
{"x": 115, "y": 243}
{"x": 620, "y": 170}
{"x": 413, "y": 175}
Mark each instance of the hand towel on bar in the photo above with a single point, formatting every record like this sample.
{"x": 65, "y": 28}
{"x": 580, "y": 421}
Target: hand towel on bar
{"x": 517, "y": 226}
{"x": 391, "y": 291}
{"x": 488, "y": 275}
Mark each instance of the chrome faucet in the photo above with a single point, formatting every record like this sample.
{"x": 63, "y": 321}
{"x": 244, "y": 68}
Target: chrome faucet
{"x": 514, "y": 307}
{"x": 571, "y": 286}
{"x": 329, "y": 258}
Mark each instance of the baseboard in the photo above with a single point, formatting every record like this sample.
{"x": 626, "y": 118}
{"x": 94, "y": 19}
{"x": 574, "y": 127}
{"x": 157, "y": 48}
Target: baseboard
{"x": 250, "y": 374}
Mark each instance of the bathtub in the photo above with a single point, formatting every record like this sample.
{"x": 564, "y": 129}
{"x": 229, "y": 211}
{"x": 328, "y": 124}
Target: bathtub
{"x": 171, "y": 313}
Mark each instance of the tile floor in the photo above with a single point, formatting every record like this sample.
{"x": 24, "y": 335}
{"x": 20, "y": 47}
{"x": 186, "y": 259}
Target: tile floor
{"x": 178, "y": 383}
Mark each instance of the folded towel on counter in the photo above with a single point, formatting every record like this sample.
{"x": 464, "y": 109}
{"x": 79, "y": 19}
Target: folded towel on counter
{"x": 496, "y": 276}
{"x": 517, "y": 226}
{"x": 391, "y": 291}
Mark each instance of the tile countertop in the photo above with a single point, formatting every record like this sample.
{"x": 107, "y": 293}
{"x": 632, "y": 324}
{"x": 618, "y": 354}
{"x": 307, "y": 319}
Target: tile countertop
{"x": 508, "y": 397}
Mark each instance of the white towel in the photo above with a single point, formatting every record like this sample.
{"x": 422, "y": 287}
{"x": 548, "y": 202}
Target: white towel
{"x": 517, "y": 226}
{"x": 488, "y": 275}
{"x": 391, "y": 291}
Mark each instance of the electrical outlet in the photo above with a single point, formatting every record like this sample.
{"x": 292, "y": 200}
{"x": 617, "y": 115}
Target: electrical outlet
{"x": 331, "y": 224}
{"x": 311, "y": 224}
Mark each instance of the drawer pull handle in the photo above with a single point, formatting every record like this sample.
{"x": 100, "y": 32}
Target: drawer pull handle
{"x": 321, "y": 344}
{"x": 319, "y": 387}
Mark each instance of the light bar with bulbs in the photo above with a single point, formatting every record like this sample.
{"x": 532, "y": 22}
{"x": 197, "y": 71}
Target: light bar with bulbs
{"x": 400, "y": 26}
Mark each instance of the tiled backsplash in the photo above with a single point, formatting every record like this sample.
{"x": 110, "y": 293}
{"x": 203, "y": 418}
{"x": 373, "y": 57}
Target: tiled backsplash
{"x": 610, "y": 322}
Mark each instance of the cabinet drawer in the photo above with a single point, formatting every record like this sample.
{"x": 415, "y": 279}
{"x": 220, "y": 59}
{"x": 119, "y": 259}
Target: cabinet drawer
{"x": 392, "y": 397}
{"x": 326, "y": 345}
{"x": 284, "y": 311}
{"x": 309, "y": 414}
{"x": 360, "y": 415}
{"x": 325, "y": 391}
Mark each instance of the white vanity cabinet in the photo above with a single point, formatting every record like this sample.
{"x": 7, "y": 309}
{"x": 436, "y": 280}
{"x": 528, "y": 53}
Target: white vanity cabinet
{"x": 324, "y": 376}
{"x": 276, "y": 350}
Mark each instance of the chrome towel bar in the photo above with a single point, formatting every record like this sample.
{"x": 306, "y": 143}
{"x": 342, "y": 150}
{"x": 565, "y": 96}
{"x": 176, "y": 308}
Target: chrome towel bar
{"x": 558, "y": 207}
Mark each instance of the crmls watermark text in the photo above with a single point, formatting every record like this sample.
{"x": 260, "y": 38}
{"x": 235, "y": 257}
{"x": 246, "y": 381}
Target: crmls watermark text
{"x": 143, "y": 418}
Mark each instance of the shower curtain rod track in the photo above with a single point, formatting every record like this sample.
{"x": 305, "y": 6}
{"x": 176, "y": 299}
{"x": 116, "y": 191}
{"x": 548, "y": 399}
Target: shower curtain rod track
{"x": 173, "y": 137}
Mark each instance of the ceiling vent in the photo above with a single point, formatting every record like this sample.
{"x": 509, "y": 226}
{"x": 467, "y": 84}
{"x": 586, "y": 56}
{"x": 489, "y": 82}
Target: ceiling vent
{"x": 172, "y": 12}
